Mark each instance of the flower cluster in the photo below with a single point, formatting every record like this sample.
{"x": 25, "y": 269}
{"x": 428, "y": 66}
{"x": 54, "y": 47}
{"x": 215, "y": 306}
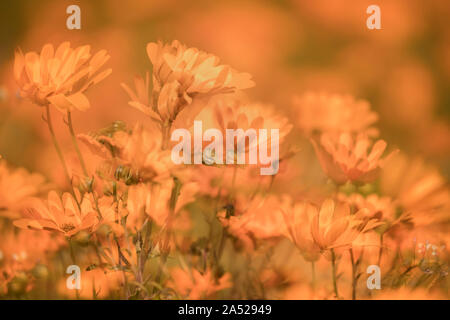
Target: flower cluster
{"x": 143, "y": 227}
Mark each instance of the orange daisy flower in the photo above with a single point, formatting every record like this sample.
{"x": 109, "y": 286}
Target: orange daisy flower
{"x": 257, "y": 219}
{"x": 298, "y": 221}
{"x": 154, "y": 201}
{"x": 416, "y": 187}
{"x": 17, "y": 186}
{"x": 344, "y": 158}
{"x": 195, "y": 285}
{"x": 334, "y": 114}
{"x": 236, "y": 115}
{"x": 59, "y": 77}
{"x": 134, "y": 157}
{"x": 382, "y": 208}
{"x": 230, "y": 114}
{"x": 63, "y": 215}
{"x": 181, "y": 74}
{"x": 22, "y": 251}
{"x": 333, "y": 226}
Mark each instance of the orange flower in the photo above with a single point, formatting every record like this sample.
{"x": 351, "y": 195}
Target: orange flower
{"x": 141, "y": 151}
{"x": 344, "y": 158}
{"x": 159, "y": 209}
{"x": 23, "y": 250}
{"x": 334, "y": 114}
{"x": 260, "y": 218}
{"x": 194, "y": 285}
{"x": 154, "y": 201}
{"x": 138, "y": 201}
{"x": 298, "y": 221}
{"x": 181, "y": 74}
{"x": 417, "y": 187}
{"x": 134, "y": 157}
{"x": 419, "y": 190}
{"x": 17, "y": 186}
{"x": 382, "y": 208}
{"x": 59, "y": 78}
{"x": 232, "y": 114}
{"x": 334, "y": 227}
{"x": 62, "y": 214}
{"x": 226, "y": 180}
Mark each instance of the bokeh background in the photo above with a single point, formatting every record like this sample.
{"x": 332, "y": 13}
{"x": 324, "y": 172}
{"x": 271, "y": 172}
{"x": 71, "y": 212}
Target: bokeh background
{"x": 289, "y": 46}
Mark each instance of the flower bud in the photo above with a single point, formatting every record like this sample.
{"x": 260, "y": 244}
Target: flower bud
{"x": 348, "y": 188}
{"x": 18, "y": 284}
{"x": 40, "y": 271}
{"x": 82, "y": 238}
{"x": 367, "y": 189}
{"x": 104, "y": 230}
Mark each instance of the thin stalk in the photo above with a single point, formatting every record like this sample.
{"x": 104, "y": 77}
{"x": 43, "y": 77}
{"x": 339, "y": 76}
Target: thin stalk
{"x": 313, "y": 275}
{"x": 165, "y": 242}
{"x": 380, "y": 252}
{"x": 354, "y": 267}
{"x": 221, "y": 246}
{"x": 230, "y": 202}
{"x": 80, "y": 158}
{"x": 75, "y": 143}
{"x": 333, "y": 271}
{"x": 233, "y": 183}
{"x": 55, "y": 143}
{"x": 166, "y": 135}
{"x": 140, "y": 264}
{"x": 72, "y": 253}
{"x": 234, "y": 177}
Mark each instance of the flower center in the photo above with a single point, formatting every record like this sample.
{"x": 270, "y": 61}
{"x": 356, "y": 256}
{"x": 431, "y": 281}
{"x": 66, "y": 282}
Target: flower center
{"x": 66, "y": 227}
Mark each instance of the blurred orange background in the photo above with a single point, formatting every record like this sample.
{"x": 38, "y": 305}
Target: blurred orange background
{"x": 289, "y": 46}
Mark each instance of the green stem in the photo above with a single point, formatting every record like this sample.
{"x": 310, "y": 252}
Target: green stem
{"x": 221, "y": 246}
{"x": 55, "y": 143}
{"x": 165, "y": 251}
{"x": 333, "y": 271}
{"x": 166, "y": 135}
{"x": 380, "y": 252}
{"x": 75, "y": 143}
{"x": 72, "y": 252}
{"x": 233, "y": 183}
{"x": 352, "y": 259}
{"x": 80, "y": 157}
{"x": 313, "y": 275}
